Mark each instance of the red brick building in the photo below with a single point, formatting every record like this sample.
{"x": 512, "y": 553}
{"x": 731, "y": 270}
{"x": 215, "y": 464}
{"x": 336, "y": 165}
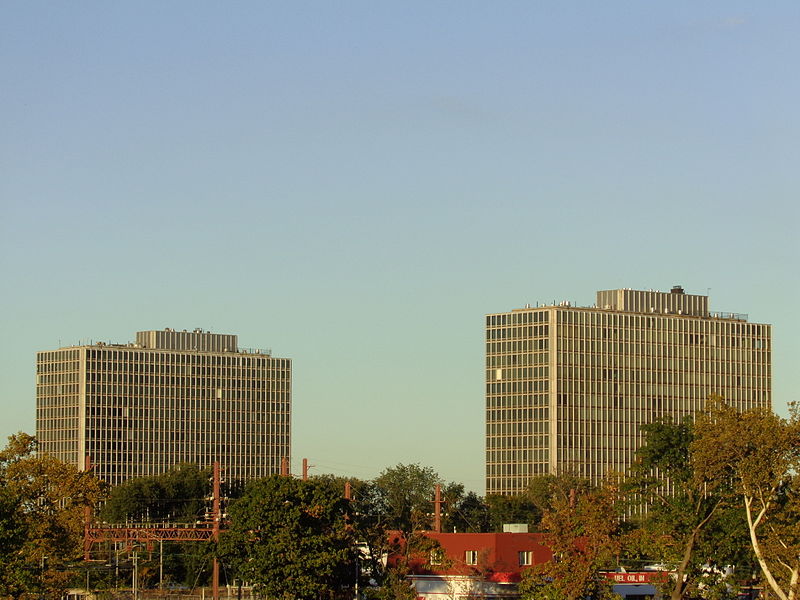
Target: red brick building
{"x": 489, "y": 566}
{"x": 478, "y": 565}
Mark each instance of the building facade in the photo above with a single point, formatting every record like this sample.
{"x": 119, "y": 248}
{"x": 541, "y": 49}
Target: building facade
{"x": 169, "y": 398}
{"x": 568, "y": 388}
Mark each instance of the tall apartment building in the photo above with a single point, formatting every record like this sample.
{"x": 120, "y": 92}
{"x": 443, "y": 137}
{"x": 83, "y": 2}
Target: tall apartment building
{"x": 171, "y": 397}
{"x": 568, "y": 388}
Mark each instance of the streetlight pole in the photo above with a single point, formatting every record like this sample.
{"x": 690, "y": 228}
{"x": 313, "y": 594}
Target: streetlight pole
{"x": 135, "y": 586}
{"x": 161, "y": 564}
{"x": 43, "y": 566}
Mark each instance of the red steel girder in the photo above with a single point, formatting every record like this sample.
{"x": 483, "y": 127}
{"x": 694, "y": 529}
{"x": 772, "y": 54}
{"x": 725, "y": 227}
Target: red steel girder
{"x": 148, "y": 534}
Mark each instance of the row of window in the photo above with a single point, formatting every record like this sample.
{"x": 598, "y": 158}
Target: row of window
{"x": 59, "y": 356}
{"x": 118, "y": 357}
{"x": 518, "y": 347}
{"x": 518, "y": 332}
{"x": 517, "y": 360}
{"x": 671, "y": 323}
{"x": 58, "y": 377}
{"x": 617, "y": 350}
{"x": 517, "y": 318}
{"x": 519, "y": 401}
{"x": 642, "y": 382}
{"x": 525, "y": 557}
{"x": 506, "y": 469}
{"x": 518, "y": 387}
{"x": 519, "y": 414}
{"x": 156, "y": 392}
{"x": 520, "y": 442}
{"x": 499, "y": 374}
{"x": 114, "y": 370}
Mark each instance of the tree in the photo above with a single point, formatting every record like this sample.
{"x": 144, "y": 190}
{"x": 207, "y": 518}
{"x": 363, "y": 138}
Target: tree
{"x": 398, "y": 501}
{"x": 760, "y": 453}
{"x": 584, "y": 533}
{"x": 179, "y": 495}
{"x": 464, "y": 512}
{"x": 512, "y": 509}
{"x": 46, "y": 499}
{"x": 545, "y": 491}
{"x": 406, "y": 492}
{"x": 687, "y": 516}
{"x": 15, "y": 576}
{"x": 176, "y": 496}
{"x": 395, "y": 586}
{"x": 291, "y": 539}
{"x": 368, "y": 521}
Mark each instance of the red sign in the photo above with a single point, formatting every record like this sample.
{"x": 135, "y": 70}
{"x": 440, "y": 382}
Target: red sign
{"x": 637, "y": 577}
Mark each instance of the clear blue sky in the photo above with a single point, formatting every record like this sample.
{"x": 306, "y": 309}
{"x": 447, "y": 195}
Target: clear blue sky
{"x": 355, "y": 184}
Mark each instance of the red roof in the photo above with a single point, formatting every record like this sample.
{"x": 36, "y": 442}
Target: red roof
{"x": 493, "y": 555}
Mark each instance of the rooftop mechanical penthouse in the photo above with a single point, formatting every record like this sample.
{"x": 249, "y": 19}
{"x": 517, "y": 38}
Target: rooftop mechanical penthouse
{"x": 170, "y": 397}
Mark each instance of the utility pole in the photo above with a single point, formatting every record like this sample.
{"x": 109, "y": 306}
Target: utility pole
{"x": 87, "y": 514}
{"x": 437, "y": 509}
{"x": 147, "y": 534}
{"x": 305, "y": 469}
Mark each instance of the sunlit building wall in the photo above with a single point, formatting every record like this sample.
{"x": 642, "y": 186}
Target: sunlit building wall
{"x": 171, "y": 397}
{"x": 568, "y": 388}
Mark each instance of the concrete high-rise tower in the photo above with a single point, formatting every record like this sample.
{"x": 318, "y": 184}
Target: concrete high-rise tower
{"x": 568, "y": 388}
{"x": 171, "y": 397}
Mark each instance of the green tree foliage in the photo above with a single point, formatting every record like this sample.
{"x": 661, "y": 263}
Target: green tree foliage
{"x": 44, "y": 501}
{"x": 179, "y": 495}
{"x": 368, "y": 519}
{"x": 291, "y": 539}
{"x": 464, "y": 512}
{"x": 405, "y": 494}
{"x": 584, "y": 532}
{"x": 688, "y": 518}
{"x": 512, "y": 509}
{"x": 15, "y": 574}
{"x": 760, "y": 453}
{"x": 400, "y": 499}
{"x": 395, "y": 586}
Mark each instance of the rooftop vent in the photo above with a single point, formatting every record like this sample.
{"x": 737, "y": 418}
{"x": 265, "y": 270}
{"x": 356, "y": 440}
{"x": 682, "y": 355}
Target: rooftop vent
{"x": 676, "y": 289}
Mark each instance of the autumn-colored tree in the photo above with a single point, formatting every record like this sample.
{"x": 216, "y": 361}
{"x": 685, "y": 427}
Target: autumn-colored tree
{"x": 760, "y": 453}
{"x": 47, "y": 499}
{"x": 545, "y": 491}
{"x": 686, "y": 520}
{"x": 584, "y": 532}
